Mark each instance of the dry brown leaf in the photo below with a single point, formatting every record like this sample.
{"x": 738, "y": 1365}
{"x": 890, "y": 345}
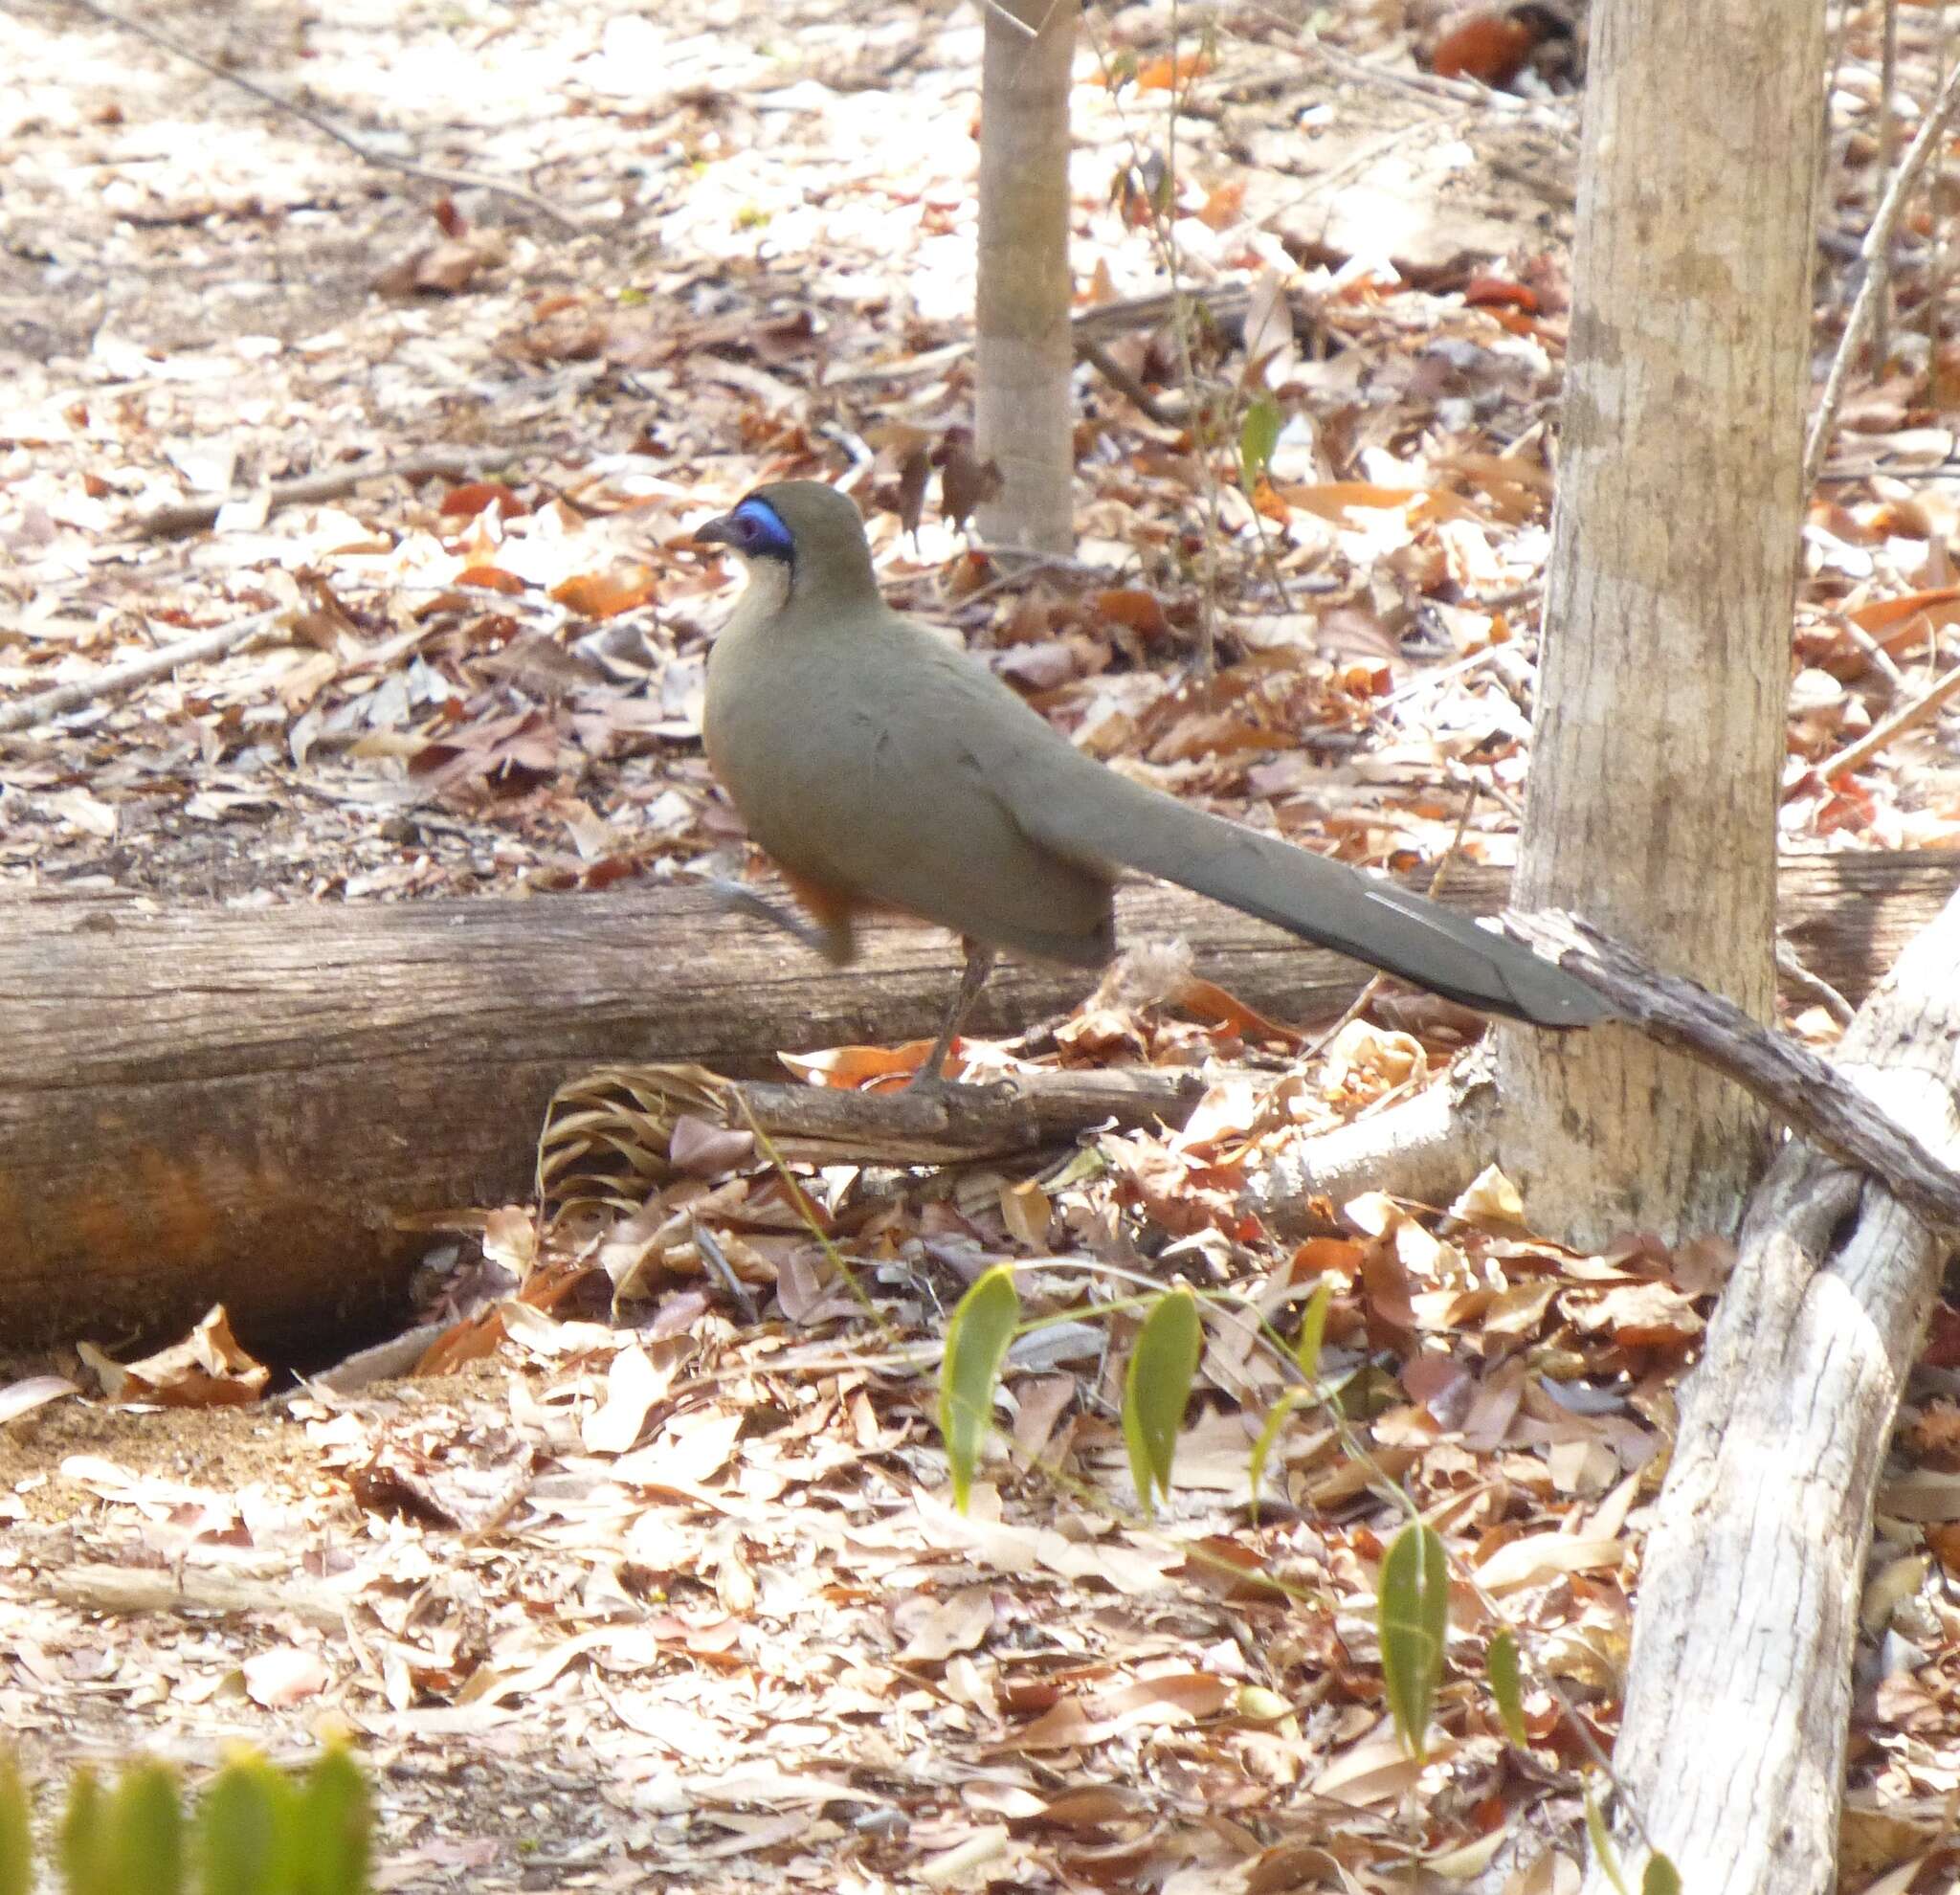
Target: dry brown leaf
{"x": 207, "y": 1369}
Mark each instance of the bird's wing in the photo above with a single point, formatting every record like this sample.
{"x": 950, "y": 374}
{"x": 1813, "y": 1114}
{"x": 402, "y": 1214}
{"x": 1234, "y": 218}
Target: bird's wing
{"x": 859, "y": 766}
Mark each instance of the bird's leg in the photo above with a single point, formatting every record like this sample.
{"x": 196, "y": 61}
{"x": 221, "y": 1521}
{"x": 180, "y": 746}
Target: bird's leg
{"x": 739, "y": 898}
{"x": 973, "y": 979}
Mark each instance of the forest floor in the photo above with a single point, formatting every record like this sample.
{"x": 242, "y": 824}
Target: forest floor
{"x": 680, "y": 1597}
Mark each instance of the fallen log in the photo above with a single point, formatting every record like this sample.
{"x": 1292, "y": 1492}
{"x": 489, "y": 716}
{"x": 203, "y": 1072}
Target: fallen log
{"x": 201, "y": 1105}
{"x": 1748, "y": 1611}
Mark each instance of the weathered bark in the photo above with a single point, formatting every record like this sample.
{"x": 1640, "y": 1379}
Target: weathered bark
{"x": 1801, "y": 1089}
{"x": 201, "y": 1105}
{"x": 611, "y": 1109}
{"x": 198, "y": 1104}
{"x": 1024, "y": 348}
{"x": 1669, "y": 597}
{"x": 1750, "y": 1582}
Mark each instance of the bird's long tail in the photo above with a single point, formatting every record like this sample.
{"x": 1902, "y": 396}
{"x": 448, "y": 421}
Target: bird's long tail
{"x": 1097, "y": 815}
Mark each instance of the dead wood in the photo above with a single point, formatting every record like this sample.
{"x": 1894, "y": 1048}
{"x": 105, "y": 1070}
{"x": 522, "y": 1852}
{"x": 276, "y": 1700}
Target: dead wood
{"x": 1748, "y": 1608}
{"x": 1874, "y": 254}
{"x": 135, "y": 671}
{"x": 1812, "y": 1096}
{"x": 191, "y": 516}
{"x": 251, "y": 1107}
{"x": 1426, "y": 1147}
{"x": 608, "y": 1133}
{"x": 123, "y": 1590}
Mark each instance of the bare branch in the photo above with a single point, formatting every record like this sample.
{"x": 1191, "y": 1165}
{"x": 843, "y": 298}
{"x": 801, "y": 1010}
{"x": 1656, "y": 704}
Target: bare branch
{"x": 114, "y": 677}
{"x": 381, "y": 160}
{"x": 189, "y": 516}
{"x": 1877, "y": 244}
{"x": 1809, "y": 1094}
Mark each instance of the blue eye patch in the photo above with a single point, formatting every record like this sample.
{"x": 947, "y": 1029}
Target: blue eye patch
{"x": 764, "y": 535}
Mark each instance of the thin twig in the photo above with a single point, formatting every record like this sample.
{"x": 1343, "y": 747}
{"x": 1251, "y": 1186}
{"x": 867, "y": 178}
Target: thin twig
{"x": 381, "y": 160}
{"x": 1431, "y": 680}
{"x": 1462, "y": 775}
{"x": 1225, "y": 301}
{"x": 1182, "y": 303}
{"x": 1855, "y": 754}
{"x": 1888, "y": 149}
{"x": 1807, "y": 986}
{"x": 1942, "y": 253}
{"x": 1201, "y": 440}
{"x": 1010, "y": 18}
{"x": 1877, "y": 241}
{"x": 1026, "y": 562}
{"x": 717, "y": 1259}
{"x": 1021, "y": 564}
{"x": 1874, "y": 470}
{"x": 114, "y": 677}
{"x": 1120, "y": 378}
{"x": 1426, "y": 86}
{"x": 189, "y": 515}
{"x": 1830, "y": 151}
{"x": 1269, "y": 558}
{"x": 1877, "y": 656}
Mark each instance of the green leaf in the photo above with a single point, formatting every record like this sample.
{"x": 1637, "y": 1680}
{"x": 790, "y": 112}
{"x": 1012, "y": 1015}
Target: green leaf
{"x": 1259, "y": 434}
{"x": 976, "y": 1342}
{"x": 1501, "y": 1667}
{"x": 248, "y": 1831}
{"x": 83, "y": 1844}
{"x": 146, "y": 1824}
{"x": 334, "y": 1826}
{"x": 1661, "y": 1877}
{"x": 1412, "y": 1614}
{"x": 1313, "y": 1327}
{"x": 1602, "y": 1844}
{"x": 1156, "y": 1388}
{"x": 1268, "y": 1435}
{"x": 16, "y": 1831}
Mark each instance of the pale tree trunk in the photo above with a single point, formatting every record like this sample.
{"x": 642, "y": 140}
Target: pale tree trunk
{"x": 1669, "y": 600}
{"x": 1023, "y": 408}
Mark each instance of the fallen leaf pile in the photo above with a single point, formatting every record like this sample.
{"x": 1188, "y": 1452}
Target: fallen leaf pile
{"x": 652, "y": 1573}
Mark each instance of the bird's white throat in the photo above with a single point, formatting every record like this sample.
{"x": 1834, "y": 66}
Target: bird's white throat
{"x": 768, "y": 588}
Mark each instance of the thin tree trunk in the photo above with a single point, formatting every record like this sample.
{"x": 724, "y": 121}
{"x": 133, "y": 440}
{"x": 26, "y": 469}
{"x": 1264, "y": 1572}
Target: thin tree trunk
{"x": 1669, "y": 600}
{"x": 1025, "y": 354}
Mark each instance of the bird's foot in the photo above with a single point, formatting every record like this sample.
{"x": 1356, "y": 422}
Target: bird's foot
{"x": 929, "y": 1075}
{"x": 932, "y": 1081}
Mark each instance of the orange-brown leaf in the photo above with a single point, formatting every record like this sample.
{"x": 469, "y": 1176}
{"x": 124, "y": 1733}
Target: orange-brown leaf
{"x": 476, "y": 496}
{"x": 1166, "y": 71}
{"x": 1131, "y": 606}
{"x": 606, "y": 594}
{"x": 490, "y": 578}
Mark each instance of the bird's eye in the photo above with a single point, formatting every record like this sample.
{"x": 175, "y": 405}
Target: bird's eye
{"x": 764, "y": 533}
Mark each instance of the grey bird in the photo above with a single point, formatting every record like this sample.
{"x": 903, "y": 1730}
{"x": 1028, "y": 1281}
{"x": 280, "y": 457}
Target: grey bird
{"x": 882, "y": 770}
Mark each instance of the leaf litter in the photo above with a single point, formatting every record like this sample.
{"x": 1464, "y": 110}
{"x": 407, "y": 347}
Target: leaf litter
{"x": 647, "y": 1583}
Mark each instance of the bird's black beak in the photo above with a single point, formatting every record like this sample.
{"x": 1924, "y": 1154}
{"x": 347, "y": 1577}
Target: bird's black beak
{"x": 723, "y": 530}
